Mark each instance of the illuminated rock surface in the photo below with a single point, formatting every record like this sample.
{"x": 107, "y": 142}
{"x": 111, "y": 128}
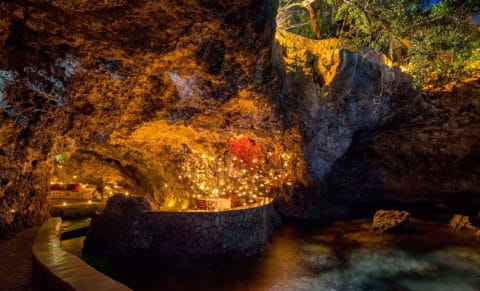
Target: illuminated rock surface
{"x": 389, "y": 220}
{"x": 461, "y": 223}
{"x": 370, "y": 140}
{"x": 126, "y": 83}
{"x": 125, "y": 88}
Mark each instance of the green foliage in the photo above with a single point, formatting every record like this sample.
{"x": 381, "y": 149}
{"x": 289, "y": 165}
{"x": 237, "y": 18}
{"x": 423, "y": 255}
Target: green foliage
{"x": 444, "y": 53}
{"x": 444, "y": 41}
{"x": 294, "y": 19}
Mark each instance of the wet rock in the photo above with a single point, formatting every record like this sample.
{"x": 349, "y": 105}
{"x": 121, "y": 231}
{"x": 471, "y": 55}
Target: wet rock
{"x": 462, "y": 223}
{"x": 389, "y": 220}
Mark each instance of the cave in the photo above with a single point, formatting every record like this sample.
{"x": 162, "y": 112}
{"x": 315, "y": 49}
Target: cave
{"x": 181, "y": 136}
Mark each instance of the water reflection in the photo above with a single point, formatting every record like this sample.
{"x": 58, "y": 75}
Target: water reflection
{"x": 341, "y": 256}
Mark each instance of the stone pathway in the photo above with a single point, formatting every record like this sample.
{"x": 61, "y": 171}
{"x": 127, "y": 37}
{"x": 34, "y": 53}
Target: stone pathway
{"x": 16, "y": 260}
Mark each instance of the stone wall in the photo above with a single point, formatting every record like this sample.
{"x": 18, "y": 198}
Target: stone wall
{"x": 239, "y": 231}
{"x": 242, "y": 231}
{"x": 57, "y": 269}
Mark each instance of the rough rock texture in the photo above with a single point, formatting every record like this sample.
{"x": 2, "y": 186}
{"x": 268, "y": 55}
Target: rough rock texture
{"x": 462, "y": 223}
{"x": 116, "y": 229}
{"x": 332, "y": 95}
{"x": 126, "y": 87}
{"x": 428, "y": 155}
{"x": 370, "y": 140}
{"x": 129, "y": 83}
{"x": 126, "y": 230}
{"x": 389, "y": 220}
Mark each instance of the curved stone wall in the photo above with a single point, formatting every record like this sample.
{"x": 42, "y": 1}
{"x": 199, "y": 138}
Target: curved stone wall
{"x": 128, "y": 228}
{"x": 241, "y": 231}
{"x": 56, "y": 269}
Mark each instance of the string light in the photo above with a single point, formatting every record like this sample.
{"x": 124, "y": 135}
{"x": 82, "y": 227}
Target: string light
{"x": 226, "y": 176}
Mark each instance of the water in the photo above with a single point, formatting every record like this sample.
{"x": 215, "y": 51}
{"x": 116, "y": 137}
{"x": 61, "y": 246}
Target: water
{"x": 340, "y": 256}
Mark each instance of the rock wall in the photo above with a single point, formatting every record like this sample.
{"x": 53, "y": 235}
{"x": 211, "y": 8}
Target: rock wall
{"x": 331, "y": 95}
{"x": 129, "y": 83}
{"x": 129, "y": 229}
{"x": 428, "y": 157}
{"x": 371, "y": 140}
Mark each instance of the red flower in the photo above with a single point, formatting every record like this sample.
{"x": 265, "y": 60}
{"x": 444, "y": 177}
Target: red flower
{"x": 245, "y": 149}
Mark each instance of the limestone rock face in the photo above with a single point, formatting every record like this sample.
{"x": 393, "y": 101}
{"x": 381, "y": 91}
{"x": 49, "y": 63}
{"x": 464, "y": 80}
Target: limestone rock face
{"x": 389, "y": 220}
{"x": 123, "y": 88}
{"x": 332, "y": 95}
{"x": 370, "y": 139}
{"x": 429, "y": 154}
{"x": 127, "y": 85}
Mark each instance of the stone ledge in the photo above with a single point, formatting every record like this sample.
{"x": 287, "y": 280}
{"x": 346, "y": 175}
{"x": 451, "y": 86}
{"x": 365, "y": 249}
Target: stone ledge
{"x": 128, "y": 228}
{"x": 57, "y": 269}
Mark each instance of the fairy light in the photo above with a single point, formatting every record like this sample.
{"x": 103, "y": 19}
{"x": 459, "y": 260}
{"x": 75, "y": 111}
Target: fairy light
{"x": 226, "y": 176}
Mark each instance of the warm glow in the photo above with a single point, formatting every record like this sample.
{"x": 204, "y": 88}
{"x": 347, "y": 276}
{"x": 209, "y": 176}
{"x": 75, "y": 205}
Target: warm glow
{"x": 241, "y": 174}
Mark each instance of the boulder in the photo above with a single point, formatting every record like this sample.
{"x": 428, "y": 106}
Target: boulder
{"x": 462, "y": 223}
{"x": 389, "y": 220}
{"x": 112, "y": 231}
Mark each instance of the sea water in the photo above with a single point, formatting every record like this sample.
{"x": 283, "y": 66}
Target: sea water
{"x": 339, "y": 256}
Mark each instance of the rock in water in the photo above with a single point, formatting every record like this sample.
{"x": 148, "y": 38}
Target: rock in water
{"x": 389, "y": 220}
{"x": 112, "y": 231}
{"x": 462, "y": 223}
